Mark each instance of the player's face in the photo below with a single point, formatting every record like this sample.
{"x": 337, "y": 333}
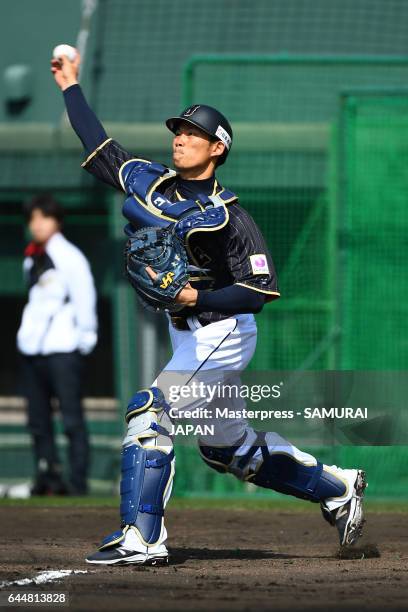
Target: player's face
{"x": 42, "y": 227}
{"x": 193, "y": 148}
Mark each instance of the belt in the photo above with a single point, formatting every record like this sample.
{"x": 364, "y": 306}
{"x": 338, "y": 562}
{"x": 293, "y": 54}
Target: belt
{"x": 187, "y": 323}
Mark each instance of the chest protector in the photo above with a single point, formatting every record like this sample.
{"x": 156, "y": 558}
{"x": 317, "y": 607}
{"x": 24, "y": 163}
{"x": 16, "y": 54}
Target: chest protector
{"x": 146, "y": 206}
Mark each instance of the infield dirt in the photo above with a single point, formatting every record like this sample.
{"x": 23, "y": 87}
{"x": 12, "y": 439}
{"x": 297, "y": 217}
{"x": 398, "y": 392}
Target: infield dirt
{"x": 220, "y": 560}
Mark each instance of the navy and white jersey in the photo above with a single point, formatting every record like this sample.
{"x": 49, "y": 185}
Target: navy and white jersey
{"x": 237, "y": 254}
{"x": 60, "y": 315}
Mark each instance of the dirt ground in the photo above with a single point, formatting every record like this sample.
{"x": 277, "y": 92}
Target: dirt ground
{"x": 220, "y": 560}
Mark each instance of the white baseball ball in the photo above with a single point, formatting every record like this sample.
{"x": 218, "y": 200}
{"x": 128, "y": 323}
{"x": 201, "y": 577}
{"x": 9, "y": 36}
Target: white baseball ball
{"x": 67, "y": 50}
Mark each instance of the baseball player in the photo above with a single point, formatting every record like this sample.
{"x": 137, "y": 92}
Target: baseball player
{"x": 212, "y": 330}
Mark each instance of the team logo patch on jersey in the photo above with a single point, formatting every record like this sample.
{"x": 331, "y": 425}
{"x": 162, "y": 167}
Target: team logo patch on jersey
{"x": 259, "y": 264}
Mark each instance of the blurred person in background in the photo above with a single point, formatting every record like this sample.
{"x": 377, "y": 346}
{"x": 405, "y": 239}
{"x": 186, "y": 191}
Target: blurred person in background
{"x": 58, "y": 327}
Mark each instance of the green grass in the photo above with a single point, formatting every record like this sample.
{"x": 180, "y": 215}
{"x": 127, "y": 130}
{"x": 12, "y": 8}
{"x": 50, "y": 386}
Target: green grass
{"x": 62, "y": 502}
{"x": 178, "y": 503}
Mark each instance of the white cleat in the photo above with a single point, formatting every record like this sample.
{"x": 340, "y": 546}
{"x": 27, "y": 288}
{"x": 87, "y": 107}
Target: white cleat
{"x": 120, "y": 556}
{"x": 349, "y": 517}
{"x": 126, "y": 548}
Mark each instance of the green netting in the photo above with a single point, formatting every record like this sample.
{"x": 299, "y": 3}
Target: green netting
{"x": 386, "y": 468}
{"x": 373, "y": 198}
{"x": 285, "y": 89}
{"x": 142, "y": 48}
{"x": 293, "y": 330}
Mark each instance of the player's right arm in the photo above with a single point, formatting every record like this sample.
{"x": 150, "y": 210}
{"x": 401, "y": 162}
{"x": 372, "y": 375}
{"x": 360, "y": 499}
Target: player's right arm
{"x": 105, "y": 156}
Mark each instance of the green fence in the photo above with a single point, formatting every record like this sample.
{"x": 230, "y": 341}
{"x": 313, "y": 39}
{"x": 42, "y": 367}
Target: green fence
{"x": 285, "y": 88}
{"x": 373, "y": 218}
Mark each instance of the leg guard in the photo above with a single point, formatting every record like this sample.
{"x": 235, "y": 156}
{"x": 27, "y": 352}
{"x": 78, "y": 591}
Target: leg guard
{"x": 270, "y": 461}
{"x": 147, "y": 471}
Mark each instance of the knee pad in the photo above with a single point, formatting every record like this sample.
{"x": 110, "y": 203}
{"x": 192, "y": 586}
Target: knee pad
{"x": 223, "y": 459}
{"x": 142, "y": 416}
{"x": 270, "y": 461}
{"x": 147, "y": 470}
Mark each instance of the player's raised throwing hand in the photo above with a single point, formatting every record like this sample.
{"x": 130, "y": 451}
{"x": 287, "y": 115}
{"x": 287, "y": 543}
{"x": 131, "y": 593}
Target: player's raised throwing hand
{"x": 65, "y": 71}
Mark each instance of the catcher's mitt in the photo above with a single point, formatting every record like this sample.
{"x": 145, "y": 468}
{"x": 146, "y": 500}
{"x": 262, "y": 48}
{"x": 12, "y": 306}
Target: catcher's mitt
{"x": 161, "y": 249}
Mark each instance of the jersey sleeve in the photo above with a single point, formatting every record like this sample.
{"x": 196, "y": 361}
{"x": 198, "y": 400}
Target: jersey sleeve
{"x": 248, "y": 258}
{"x": 106, "y": 161}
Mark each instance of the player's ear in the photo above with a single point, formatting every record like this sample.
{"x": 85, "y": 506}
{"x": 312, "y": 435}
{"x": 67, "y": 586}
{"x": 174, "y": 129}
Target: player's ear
{"x": 218, "y": 148}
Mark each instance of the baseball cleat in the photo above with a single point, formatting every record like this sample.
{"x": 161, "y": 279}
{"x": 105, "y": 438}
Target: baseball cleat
{"x": 125, "y": 547}
{"x": 349, "y": 518}
{"x": 121, "y": 556}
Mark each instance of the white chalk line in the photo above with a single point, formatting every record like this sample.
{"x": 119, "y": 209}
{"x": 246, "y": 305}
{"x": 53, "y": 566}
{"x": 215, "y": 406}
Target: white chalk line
{"x": 42, "y": 578}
